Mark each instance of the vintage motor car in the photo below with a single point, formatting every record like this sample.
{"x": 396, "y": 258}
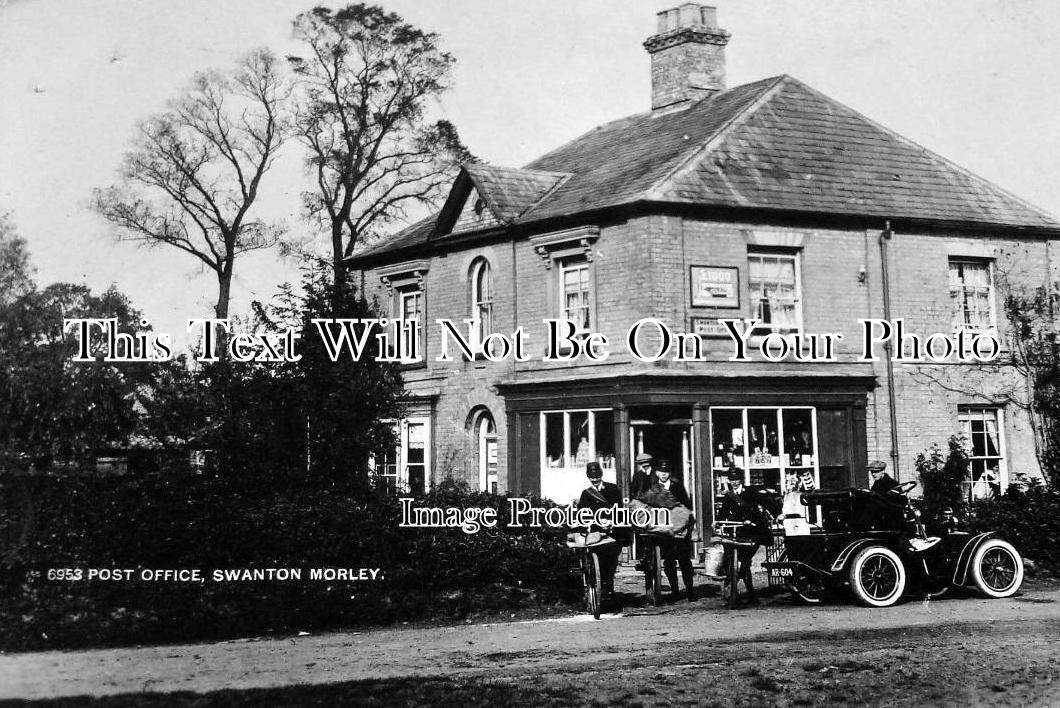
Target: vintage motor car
{"x": 868, "y": 541}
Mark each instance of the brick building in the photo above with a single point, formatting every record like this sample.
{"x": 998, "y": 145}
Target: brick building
{"x": 768, "y": 201}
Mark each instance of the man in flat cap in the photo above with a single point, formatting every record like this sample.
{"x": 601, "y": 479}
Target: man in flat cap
{"x": 643, "y": 475}
{"x": 881, "y": 481}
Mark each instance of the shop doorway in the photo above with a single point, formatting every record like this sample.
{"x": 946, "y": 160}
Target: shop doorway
{"x": 665, "y": 433}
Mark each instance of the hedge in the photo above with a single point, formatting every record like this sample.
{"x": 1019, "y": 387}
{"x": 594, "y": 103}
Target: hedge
{"x": 166, "y": 521}
{"x": 1027, "y": 516}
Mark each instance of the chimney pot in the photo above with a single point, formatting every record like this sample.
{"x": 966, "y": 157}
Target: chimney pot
{"x": 687, "y": 55}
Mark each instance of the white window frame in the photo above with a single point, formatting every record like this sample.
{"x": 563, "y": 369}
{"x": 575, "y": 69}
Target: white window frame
{"x": 486, "y": 436}
{"x": 482, "y": 302}
{"x": 569, "y": 475}
{"x": 398, "y": 469}
{"x": 796, "y": 260}
{"x": 965, "y": 416}
{"x": 582, "y": 265}
{"x": 962, "y": 289}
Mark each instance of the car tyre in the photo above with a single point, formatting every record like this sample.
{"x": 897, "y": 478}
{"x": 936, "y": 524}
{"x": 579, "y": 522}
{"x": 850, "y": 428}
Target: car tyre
{"x": 997, "y": 569}
{"x": 877, "y": 577}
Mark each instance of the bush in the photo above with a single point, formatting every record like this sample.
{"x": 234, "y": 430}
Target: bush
{"x": 210, "y": 522}
{"x": 1027, "y": 517}
{"x": 941, "y": 479}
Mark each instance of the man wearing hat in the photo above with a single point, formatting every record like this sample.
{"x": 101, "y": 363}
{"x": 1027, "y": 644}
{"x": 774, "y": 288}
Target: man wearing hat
{"x": 881, "y": 481}
{"x": 643, "y": 475}
{"x": 668, "y": 491}
{"x": 599, "y": 495}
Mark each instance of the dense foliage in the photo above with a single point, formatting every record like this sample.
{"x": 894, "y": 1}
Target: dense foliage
{"x": 160, "y": 521}
{"x": 1026, "y": 515}
{"x": 1035, "y": 343}
{"x": 54, "y": 409}
{"x": 941, "y": 477}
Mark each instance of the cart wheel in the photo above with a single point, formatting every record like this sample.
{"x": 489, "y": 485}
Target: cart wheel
{"x": 593, "y": 589}
{"x": 877, "y": 577}
{"x": 997, "y": 568}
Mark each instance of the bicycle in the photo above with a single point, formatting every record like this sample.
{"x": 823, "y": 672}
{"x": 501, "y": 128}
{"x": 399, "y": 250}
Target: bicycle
{"x": 653, "y": 567}
{"x": 585, "y": 547}
{"x": 726, "y": 532}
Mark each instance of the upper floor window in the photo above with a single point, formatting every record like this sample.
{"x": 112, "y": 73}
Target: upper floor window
{"x": 972, "y": 294}
{"x": 482, "y": 297}
{"x": 410, "y": 307}
{"x": 775, "y": 290}
{"x": 406, "y": 283}
{"x": 568, "y": 255}
{"x": 575, "y": 293}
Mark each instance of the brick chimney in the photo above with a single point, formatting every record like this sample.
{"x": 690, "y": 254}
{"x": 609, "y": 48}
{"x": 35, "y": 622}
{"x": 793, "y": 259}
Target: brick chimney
{"x": 687, "y": 55}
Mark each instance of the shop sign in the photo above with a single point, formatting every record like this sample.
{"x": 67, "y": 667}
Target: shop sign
{"x": 715, "y": 286}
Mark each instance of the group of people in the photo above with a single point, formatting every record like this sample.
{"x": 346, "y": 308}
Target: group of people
{"x": 653, "y": 483}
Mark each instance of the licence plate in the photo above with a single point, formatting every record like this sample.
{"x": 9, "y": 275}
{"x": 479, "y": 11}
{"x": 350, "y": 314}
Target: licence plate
{"x": 783, "y": 572}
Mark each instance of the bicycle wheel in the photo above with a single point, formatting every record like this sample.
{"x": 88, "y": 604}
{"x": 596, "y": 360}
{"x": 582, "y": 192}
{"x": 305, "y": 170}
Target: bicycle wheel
{"x": 593, "y": 590}
{"x": 653, "y": 575}
{"x": 732, "y": 599}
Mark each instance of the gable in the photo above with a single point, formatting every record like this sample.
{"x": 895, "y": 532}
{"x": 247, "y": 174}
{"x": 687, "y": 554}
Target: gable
{"x": 475, "y": 214}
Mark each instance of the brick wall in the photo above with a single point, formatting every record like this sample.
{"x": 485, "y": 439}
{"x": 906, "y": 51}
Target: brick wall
{"x": 640, "y": 268}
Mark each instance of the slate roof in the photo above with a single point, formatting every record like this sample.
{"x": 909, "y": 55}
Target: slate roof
{"x": 775, "y": 144}
{"x": 510, "y": 191}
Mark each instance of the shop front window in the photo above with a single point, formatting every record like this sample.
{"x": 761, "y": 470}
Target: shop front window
{"x": 774, "y": 448}
{"x": 570, "y": 440}
{"x": 981, "y": 430}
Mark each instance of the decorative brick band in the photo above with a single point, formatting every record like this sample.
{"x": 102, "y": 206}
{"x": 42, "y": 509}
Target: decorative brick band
{"x": 699, "y": 35}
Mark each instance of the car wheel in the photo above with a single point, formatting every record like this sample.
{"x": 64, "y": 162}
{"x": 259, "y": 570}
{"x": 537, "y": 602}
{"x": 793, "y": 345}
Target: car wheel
{"x": 997, "y": 568}
{"x": 877, "y": 577}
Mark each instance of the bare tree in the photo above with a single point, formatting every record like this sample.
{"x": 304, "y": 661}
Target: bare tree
{"x": 194, "y": 171}
{"x": 365, "y": 83}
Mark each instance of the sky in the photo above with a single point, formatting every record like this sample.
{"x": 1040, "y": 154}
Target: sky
{"x": 974, "y": 80}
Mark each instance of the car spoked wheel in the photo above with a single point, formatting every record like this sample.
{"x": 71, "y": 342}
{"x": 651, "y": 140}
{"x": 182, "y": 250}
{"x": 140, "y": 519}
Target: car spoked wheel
{"x": 877, "y": 577}
{"x": 997, "y": 568}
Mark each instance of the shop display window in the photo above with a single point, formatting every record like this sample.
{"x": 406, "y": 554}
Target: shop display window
{"x": 772, "y": 447}
{"x": 570, "y": 440}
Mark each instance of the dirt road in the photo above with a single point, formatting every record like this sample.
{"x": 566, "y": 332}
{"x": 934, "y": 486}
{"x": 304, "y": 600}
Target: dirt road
{"x": 988, "y": 651}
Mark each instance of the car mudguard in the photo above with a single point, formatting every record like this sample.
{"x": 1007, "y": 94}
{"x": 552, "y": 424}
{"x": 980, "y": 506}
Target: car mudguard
{"x": 960, "y": 569}
{"x": 844, "y": 555}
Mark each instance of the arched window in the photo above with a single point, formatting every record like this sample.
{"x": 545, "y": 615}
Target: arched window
{"x": 484, "y": 432}
{"x": 482, "y": 297}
